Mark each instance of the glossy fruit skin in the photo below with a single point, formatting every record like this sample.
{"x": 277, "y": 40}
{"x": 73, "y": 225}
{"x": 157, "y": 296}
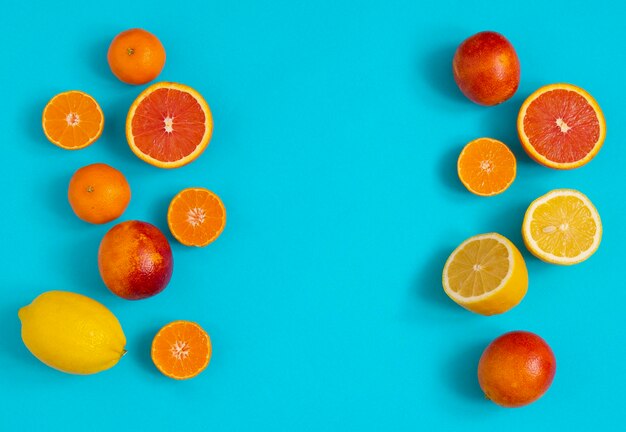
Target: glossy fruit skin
{"x": 136, "y": 56}
{"x": 98, "y": 193}
{"x": 135, "y": 260}
{"x": 72, "y": 333}
{"x": 516, "y": 369}
{"x": 486, "y": 68}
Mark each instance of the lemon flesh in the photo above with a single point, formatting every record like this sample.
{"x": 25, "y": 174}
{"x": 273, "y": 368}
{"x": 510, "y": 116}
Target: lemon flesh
{"x": 486, "y": 274}
{"x": 562, "y": 227}
{"x": 72, "y": 333}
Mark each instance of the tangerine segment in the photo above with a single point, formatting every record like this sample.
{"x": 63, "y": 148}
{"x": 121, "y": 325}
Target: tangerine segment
{"x": 562, "y": 227}
{"x": 196, "y": 217}
{"x": 561, "y": 126}
{"x": 181, "y": 350}
{"x": 169, "y": 125}
{"x": 486, "y": 274}
{"x": 72, "y": 120}
{"x": 486, "y": 167}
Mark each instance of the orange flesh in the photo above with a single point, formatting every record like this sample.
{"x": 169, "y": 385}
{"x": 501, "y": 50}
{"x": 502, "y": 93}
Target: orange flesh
{"x": 181, "y": 350}
{"x": 72, "y": 120}
{"x": 486, "y": 166}
{"x": 168, "y": 125}
{"x": 196, "y": 217}
{"x": 562, "y": 126}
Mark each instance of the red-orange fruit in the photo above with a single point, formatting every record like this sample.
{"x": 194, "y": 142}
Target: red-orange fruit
{"x": 135, "y": 260}
{"x": 486, "y": 68}
{"x": 516, "y": 369}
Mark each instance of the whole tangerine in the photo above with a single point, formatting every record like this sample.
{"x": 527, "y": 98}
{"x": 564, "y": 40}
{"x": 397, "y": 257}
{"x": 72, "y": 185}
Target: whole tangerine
{"x": 516, "y": 369}
{"x": 98, "y": 193}
{"x": 136, "y": 56}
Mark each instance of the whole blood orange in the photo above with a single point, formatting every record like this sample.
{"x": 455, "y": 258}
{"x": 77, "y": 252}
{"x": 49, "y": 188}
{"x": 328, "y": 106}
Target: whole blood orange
{"x": 98, "y": 193}
{"x": 72, "y": 120}
{"x": 486, "y": 68}
{"x": 561, "y": 126}
{"x": 136, "y": 56}
{"x": 516, "y": 369}
{"x": 135, "y": 260}
{"x": 181, "y": 350}
{"x": 169, "y": 125}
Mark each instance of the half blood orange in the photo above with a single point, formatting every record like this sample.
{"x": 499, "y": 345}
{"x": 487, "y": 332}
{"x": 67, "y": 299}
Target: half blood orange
{"x": 561, "y": 126}
{"x": 169, "y": 125}
{"x": 72, "y": 120}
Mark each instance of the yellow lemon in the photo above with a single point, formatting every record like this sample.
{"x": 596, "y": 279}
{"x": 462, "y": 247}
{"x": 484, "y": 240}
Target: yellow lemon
{"x": 72, "y": 333}
{"x": 562, "y": 227}
{"x": 486, "y": 274}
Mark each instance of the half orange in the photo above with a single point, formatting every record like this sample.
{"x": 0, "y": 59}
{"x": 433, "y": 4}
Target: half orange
{"x": 561, "y": 126}
{"x": 72, "y": 120}
{"x": 486, "y": 167}
{"x": 196, "y": 217}
{"x": 181, "y": 350}
{"x": 169, "y": 125}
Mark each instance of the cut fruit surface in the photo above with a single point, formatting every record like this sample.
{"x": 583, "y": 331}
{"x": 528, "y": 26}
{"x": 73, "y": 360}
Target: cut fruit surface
{"x": 181, "y": 350}
{"x": 72, "y": 120}
{"x": 561, "y": 126}
{"x": 486, "y": 167}
{"x": 196, "y": 217}
{"x": 486, "y": 274}
{"x": 562, "y": 227}
{"x": 169, "y": 125}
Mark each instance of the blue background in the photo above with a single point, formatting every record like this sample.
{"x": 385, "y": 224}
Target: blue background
{"x": 337, "y": 128}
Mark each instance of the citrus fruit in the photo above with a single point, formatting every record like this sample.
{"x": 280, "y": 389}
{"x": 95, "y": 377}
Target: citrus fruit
{"x": 136, "y": 56}
{"x": 516, "y": 369}
{"x": 561, "y": 126}
{"x": 486, "y": 167}
{"x": 196, "y": 217}
{"x": 98, "y": 193}
{"x": 562, "y": 227}
{"x": 72, "y": 120}
{"x": 486, "y": 68}
{"x": 486, "y": 274}
{"x": 169, "y": 125}
{"x": 181, "y": 350}
{"x": 72, "y": 333}
{"x": 135, "y": 260}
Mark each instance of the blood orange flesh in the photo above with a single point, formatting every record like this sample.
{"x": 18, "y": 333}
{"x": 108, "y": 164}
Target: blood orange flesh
{"x": 169, "y": 125}
{"x": 561, "y": 126}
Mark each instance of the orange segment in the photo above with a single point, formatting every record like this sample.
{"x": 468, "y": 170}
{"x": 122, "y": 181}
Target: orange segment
{"x": 169, "y": 125}
{"x": 561, "y": 126}
{"x": 486, "y": 167}
{"x": 196, "y": 217}
{"x": 72, "y": 120}
{"x": 181, "y": 350}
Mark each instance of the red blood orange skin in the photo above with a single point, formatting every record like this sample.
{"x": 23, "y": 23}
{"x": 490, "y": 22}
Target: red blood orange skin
{"x": 135, "y": 260}
{"x": 486, "y": 68}
{"x": 516, "y": 369}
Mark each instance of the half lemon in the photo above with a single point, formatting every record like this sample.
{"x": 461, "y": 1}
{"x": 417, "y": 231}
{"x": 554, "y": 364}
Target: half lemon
{"x": 562, "y": 227}
{"x": 486, "y": 274}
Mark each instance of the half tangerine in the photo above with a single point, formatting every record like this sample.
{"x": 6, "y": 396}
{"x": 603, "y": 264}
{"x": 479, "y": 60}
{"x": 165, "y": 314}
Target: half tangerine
{"x": 486, "y": 167}
{"x": 181, "y": 350}
{"x": 72, "y": 120}
{"x": 561, "y": 126}
{"x": 169, "y": 125}
{"x": 196, "y": 217}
